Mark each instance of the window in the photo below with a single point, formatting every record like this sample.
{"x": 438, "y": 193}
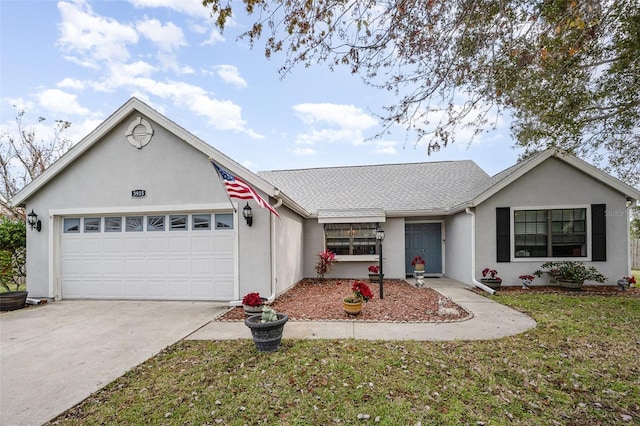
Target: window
{"x": 201, "y": 221}
{"x": 112, "y": 224}
{"x": 550, "y": 233}
{"x": 71, "y": 225}
{"x": 134, "y": 223}
{"x": 155, "y": 223}
{"x": 224, "y": 221}
{"x": 178, "y": 222}
{"x": 91, "y": 224}
{"x": 351, "y": 238}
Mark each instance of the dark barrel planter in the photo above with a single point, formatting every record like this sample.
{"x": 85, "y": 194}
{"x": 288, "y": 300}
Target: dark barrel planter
{"x": 569, "y": 284}
{"x": 494, "y": 284}
{"x": 12, "y": 300}
{"x": 266, "y": 336}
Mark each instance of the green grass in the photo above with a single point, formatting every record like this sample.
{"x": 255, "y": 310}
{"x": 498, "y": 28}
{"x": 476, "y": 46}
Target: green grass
{"x": 579, "y": 366}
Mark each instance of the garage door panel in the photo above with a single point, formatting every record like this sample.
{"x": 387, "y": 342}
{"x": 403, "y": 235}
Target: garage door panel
{"x": 172, "y": 265}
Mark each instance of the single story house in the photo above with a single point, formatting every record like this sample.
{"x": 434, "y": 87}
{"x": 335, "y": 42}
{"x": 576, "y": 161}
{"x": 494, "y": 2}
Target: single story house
{"x": 136, "y": 211}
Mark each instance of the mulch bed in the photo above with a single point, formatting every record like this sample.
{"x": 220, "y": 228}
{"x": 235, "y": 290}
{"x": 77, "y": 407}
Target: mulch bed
{"x": 321, "y": 300}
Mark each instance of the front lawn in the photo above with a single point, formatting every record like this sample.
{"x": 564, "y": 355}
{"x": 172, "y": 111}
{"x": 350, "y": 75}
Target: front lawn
{"x": 579, "y": 366}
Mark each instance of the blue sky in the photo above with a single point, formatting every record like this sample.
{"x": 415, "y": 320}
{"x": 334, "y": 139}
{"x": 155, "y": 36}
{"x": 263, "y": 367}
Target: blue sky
{"x": 80, "y": 60}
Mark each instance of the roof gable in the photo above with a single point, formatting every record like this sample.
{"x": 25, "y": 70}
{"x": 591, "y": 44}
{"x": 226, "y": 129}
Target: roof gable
{"x": 486, "y": 189}
{"x": 134, "y": 105}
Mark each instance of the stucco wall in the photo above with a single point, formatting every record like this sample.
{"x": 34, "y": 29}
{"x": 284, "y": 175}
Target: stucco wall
{"x": 392, "y": 250}
{"x": 553, "y": 184}
{"x": 289, "y": 249}
{"x": 173, "y": 173}
{"x": 458, "y": 247}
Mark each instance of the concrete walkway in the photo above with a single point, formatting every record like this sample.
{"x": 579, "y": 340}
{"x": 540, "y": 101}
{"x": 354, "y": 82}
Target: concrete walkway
{"x": 490, "y": 320}
{"x": 54, "y": 356}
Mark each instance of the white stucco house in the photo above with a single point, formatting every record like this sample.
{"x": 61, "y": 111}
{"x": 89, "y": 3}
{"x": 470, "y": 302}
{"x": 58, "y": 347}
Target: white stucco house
{"x": 136, "y": 211}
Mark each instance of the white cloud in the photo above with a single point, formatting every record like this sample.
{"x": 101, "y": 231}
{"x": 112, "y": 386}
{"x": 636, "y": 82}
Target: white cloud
{"x": 214, "y": 37}
{"x": 167, "y": 37}
{"x": 188, "y": 7}
{"x": 385, "y": 147}
{"x": 346, "y": 116}
{"x": 58, "y": 101}
{"x": 304, "y": 151}
{"x": 229, "y": 74}
{"x": 71, "y": 83}
{"x": 82, "y": 32}
{"x": 313, "y": 137}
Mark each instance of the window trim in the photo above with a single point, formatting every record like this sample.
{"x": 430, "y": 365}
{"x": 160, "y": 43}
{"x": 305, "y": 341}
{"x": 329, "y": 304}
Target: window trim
{"x": 588, "y": 232}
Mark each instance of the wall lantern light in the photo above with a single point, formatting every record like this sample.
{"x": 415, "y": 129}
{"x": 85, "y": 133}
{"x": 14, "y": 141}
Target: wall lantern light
{"x": 248, "y": 214}
{"x": 32, "y": 220}
{"x": 380, "y": 237}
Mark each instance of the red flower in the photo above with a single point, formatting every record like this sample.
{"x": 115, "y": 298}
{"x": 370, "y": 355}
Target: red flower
{"x": 417, "y": 261}
{"x": 374, "y": 269}
{"x": 361, "y": 291}
{"x": 631, "y": 279}
{"x": 252, "y": 299}
{"x": 490, "y": 274}
{"x": 526, "y": 277}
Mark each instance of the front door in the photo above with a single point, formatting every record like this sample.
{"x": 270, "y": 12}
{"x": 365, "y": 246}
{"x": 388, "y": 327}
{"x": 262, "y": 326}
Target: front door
{"x": 424, "y": 240}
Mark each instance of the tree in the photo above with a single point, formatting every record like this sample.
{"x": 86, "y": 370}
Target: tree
{"x": 567, "y": 71}
{"x": 24, "y": 155}
{"x": 635, "y": 222}
{"x": 13, "y": 253}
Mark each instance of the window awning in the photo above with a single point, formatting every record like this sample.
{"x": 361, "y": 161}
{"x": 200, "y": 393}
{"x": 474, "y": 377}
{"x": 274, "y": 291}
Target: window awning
{"x": 351, "y": 216}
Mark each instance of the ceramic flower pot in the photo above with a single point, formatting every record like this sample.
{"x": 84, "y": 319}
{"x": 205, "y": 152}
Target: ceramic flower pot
{"x": 351, "y": 307}
{"x": 254, "y": 310}
{"x": 419, "y": 267}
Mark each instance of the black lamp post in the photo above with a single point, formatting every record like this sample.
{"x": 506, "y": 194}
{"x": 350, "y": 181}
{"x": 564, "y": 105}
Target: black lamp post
{"x": 248, "y": 214}
{"x": 380, "y": 237}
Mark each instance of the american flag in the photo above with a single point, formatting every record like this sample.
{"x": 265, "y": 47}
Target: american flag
{"x": 237, "y": 188}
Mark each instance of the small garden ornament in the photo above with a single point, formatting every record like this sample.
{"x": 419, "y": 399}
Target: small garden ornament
{"x": 526, "y": 281}
{"x": 626, "y": 282}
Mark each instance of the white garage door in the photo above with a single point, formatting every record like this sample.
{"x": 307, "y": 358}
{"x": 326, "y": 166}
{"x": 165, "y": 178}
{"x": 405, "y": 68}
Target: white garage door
{"x": 177, "y": 256}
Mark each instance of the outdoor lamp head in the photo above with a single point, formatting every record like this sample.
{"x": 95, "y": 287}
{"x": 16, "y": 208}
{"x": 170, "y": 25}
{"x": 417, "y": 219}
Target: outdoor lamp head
{"x": 248, "y": 214}
{"x": 379, "y": 234}
{"x": 32, "y": 220}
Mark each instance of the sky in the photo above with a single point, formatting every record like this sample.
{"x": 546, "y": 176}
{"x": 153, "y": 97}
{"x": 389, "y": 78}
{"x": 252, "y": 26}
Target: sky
{"x": 80, "y": 60}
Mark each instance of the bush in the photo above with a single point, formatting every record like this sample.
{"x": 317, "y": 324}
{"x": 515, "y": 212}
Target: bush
{"x": 13, "y": 253}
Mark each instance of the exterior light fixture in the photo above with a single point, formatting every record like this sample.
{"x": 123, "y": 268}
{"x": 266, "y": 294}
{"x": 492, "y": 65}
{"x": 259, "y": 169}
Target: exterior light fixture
{"x": 32, "y": 220}
{"x": 248, "y": 214}
{"x": 379, "y": 238}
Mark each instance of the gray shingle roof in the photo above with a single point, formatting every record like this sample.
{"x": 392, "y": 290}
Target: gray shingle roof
{"x": 414, "y": 187}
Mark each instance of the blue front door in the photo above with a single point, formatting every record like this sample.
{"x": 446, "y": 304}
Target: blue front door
{"x": 424, "y": 240}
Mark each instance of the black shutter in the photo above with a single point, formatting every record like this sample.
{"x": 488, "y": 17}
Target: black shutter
{"x": 503, "y": 234}
{"x": 598, "y": 232}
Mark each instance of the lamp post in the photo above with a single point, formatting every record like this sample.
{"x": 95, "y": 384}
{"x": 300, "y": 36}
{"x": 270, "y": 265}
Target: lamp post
{"x": 380, "y": 237}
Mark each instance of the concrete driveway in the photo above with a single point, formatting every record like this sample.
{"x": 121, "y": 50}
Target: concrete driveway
{"x": 54, "y": 356}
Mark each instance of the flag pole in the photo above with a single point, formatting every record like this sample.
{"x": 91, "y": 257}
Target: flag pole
{"x": 220, "y": 177}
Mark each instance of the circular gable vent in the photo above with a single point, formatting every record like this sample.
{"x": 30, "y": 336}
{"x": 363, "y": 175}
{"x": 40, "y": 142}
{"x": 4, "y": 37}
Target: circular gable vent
{"x": 139, "y": 132}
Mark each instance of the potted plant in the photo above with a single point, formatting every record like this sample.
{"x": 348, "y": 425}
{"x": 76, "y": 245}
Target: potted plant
{"x": 526, "y": 280}
{"x": 374, "y": 273}
{"x": 13, "y": 242}
{"x": 361, "y": 293}
{"x": 626, "y": 282}
{"x": 253, "y": 303}
{"x": 418, "y": 263}
{"x": 491, "y": 279}
{"x": 326, "y": 259}
{"x": 266, "y": 329}
{"x": 570, "y": 274}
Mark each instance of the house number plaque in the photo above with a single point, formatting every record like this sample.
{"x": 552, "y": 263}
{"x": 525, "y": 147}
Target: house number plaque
{"x": 138, "y": 193}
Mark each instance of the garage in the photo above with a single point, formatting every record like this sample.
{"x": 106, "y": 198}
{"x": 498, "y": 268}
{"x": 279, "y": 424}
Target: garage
{"x": 154, "y": 256}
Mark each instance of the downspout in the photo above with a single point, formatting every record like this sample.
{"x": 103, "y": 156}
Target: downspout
{"x": 473, "y": 254}
{"x": 630, "y": 205}
{"x": 274, "y": 278}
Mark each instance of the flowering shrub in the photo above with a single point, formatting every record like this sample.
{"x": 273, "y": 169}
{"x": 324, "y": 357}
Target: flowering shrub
{"x": 252, "y": 299}
{"x": 361, "y": 291}
{"x": 374, "y": 269}
{"x": 326, "y": 259}
{"x": 417, "y": 261}
{"x": 571, "y": 271}
{"x": 490, "y": 274}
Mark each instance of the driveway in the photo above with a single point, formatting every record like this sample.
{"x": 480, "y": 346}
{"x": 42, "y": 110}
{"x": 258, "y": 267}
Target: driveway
{"x": 53, "y": 356}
